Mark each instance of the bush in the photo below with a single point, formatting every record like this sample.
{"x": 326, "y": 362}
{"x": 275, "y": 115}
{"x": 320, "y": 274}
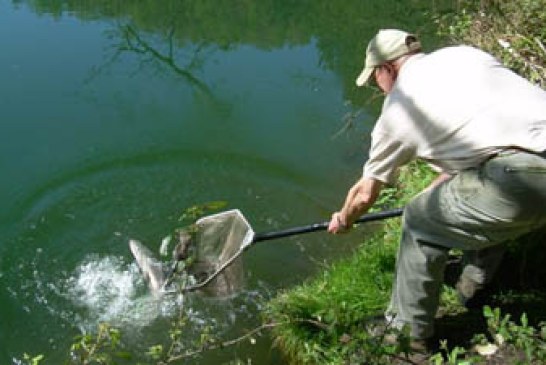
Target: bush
{"x": 511, "y": 30}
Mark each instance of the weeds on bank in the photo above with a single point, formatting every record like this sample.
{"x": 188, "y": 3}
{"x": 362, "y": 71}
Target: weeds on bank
{"x": 321, "y": 317}
{"x": 506, "y": 342}
{"x": 522, "y": 336}
{"x": 511, "y": 30}
{"x": 102, "y": 347}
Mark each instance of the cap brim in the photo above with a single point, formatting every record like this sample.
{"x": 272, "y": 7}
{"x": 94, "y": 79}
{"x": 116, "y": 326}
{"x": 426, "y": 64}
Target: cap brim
{"x": 364, "y": 76}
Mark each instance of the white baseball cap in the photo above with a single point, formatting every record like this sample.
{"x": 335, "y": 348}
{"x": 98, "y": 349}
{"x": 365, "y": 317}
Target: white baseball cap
{"x": 387, "y": 45}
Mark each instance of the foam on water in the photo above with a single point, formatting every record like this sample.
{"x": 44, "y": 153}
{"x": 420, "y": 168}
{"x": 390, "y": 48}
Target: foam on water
{"x": 109, "y": 290}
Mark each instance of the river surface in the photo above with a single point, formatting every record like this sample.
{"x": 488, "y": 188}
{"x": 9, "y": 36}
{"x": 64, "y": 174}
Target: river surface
{"x": 117, "y": 116}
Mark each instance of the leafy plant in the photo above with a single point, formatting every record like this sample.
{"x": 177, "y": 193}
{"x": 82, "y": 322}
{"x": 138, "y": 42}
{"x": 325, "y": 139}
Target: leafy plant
{"x": 102, "y": 347}
{"x": 186, "y": 222}
{"x": 522, "y": 336}
{"x": 511, "y": 30}
{"x": 452, "y": 356}
{"x": 32, "y": 360}
{"x": 194, "y": 212}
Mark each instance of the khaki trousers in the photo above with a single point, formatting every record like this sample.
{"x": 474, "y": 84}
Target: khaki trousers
{"x": 477, "y": 211}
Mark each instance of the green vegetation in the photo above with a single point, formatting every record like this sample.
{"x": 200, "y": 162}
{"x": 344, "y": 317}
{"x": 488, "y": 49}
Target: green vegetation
{"x": 512, "y": 30}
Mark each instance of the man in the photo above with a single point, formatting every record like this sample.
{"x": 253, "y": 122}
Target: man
{"x": 484, "y": 129}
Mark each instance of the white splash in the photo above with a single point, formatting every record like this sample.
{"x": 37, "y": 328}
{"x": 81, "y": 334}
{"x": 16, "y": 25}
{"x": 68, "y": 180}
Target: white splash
{"x": 109, "y": 290}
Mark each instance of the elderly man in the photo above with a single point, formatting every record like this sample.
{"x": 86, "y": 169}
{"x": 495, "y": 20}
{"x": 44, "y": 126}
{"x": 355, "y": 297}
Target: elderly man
{"x": 484, "y": 129}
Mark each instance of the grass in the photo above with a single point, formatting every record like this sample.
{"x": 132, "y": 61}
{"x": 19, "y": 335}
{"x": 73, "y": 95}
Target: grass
{"x": 320, "y": 315}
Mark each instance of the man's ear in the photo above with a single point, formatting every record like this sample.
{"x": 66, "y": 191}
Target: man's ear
{"x": 389, "y": 67}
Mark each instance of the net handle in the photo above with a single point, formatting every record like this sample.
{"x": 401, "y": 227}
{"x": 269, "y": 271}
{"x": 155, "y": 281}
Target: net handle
{"x": 370, "y": 217}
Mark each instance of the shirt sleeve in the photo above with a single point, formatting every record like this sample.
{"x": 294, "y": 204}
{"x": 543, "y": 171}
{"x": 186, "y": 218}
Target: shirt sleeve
{"x": 387, "y": 154}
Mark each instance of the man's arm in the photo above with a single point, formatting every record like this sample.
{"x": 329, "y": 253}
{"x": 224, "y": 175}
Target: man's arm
{"x": 359, "y": 199}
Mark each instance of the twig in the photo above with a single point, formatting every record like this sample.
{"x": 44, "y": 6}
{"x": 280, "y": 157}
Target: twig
{"x": 540, "y": 45}
{"x": 215, "y": 346}
{"x": 346, "y": 126}
{"x": 222, "y": 344}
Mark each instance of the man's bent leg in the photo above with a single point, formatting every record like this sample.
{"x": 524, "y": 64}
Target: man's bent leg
{"x": 477, "y": 209}
{"x": 416, "y": 289}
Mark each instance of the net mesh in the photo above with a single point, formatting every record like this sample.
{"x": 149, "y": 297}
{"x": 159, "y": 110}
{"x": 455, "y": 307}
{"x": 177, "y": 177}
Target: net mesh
{"x": 220, "y": 236}
{"x": 220, "y": 239}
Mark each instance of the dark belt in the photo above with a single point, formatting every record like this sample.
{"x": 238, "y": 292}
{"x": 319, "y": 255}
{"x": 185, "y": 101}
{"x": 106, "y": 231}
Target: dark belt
{"x": 527, "y": 169}
{"x": 514, "y": 150}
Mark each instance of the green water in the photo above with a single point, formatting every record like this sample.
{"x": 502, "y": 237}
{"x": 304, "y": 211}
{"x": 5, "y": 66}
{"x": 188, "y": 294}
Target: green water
{"x": 116, "y": 116}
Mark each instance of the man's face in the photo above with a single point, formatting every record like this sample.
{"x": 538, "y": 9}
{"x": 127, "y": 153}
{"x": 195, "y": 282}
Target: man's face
{"x": 385, "y": 76}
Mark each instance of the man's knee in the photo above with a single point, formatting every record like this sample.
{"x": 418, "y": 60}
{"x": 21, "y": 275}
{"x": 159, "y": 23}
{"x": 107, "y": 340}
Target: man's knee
{"x": 416, "y": 213}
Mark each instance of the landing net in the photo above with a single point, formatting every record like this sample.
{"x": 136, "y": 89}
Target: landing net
{"x": 219, "y": 241}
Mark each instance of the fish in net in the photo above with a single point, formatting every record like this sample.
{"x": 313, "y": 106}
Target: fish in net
{"x": 207, "y": 257}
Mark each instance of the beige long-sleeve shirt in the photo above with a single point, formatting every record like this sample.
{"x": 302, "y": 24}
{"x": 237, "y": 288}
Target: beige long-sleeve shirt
{"x": 454, "y": 108}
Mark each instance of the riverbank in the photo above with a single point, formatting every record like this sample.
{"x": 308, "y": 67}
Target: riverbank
{"x": 323, "y": 321}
